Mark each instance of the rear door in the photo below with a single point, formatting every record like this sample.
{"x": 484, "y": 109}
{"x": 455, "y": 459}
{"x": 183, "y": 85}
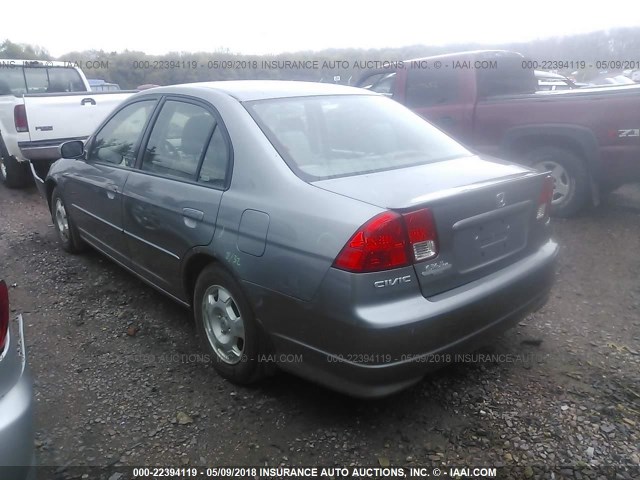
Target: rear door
{"x": 171, "y": 201}
{"x": 94, "y": 186}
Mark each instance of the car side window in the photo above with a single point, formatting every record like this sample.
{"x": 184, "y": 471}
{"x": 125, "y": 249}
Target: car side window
{"x": 216, "y": 161}
{"x": 37, "y": 80}
{"x": 64, "y": 80}
{"x": 12, "y": 81}
{"x": 178, "y": 140}
{"x": 380, "y": 83}
{"x": 426, "y": 88}
{"x": 116, "y": 143}
{"x": 385, "y": 84}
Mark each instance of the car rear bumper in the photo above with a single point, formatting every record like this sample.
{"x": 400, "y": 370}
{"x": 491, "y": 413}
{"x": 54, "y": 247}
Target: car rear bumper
{"x": 16, "y": 413}
{"x": 393, "y": 345}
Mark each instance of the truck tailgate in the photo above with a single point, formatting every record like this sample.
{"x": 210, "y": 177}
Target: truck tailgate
{"x": 70, "y": 115}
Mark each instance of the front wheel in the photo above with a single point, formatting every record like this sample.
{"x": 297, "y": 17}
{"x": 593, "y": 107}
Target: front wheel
{"x": 65, "y": 228}
{"x": 227, "y": 327}
{"x": 570, "y": 178}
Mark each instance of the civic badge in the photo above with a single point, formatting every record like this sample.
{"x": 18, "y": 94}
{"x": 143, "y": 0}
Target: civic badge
{"x": 500, "y": 200}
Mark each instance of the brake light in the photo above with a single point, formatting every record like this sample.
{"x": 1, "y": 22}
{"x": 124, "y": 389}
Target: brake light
{"x": 390, "y": 240}
{"x": 20, "y": 118}
{"x": 422, "y": 234}
{"x": 4, "y": 313}
{"x": 546, "y": 196}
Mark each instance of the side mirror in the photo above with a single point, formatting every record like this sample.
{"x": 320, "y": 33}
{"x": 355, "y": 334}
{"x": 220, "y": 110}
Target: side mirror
{"x": 72, "y": 149}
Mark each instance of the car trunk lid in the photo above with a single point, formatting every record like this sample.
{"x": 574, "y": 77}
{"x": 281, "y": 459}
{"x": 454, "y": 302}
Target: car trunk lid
{"x": 484, "y": 211}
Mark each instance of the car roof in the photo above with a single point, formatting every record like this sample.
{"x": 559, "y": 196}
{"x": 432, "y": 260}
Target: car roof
{"x": 249, "y": 90}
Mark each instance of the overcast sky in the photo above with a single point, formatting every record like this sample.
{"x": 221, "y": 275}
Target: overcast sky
{"x": 264, "y": 27}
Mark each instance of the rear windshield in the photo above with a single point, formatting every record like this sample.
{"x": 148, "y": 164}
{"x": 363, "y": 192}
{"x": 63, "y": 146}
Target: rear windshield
{"x": 334, "y": 136}
{"x": 17, "y": 80}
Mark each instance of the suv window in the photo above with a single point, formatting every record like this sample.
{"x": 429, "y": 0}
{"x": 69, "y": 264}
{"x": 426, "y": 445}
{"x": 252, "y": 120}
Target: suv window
{"x": 117, "y": 142}
{"x": 18, "y": 80}
{"x": 178, "y": 140}
{"x": 426, "y": 88}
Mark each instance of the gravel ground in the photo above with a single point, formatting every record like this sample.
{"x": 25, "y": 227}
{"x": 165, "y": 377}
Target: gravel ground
{"x": 119, "y": 378}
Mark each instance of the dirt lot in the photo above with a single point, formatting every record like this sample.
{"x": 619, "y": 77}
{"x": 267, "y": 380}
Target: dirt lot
{"x": 115, "y": 383}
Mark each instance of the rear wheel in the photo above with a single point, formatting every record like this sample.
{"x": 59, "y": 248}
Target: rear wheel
{"x": 65, "y": 228}
{"x": 227, "y": 327}
{"x": 13, "y": 174}
{"x": 570, "y": 177}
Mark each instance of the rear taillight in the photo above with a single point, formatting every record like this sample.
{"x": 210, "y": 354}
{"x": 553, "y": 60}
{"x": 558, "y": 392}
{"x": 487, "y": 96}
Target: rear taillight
{"x": 4, "y": 313}
{"x": 20, "y": 118}
{"x": 390, "y": 240}
{"x": 422, "y": 234}
{"x": 546, "y": 196}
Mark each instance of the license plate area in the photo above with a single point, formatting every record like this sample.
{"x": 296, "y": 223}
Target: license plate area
{"x": 482, "y": 240}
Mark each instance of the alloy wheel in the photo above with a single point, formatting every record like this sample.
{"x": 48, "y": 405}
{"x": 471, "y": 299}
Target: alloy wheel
{"x": 563, "y": 183}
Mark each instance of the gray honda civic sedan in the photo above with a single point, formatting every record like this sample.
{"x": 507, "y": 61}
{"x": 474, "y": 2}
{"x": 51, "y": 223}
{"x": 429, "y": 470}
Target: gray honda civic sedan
{"x": 325, "y": 229}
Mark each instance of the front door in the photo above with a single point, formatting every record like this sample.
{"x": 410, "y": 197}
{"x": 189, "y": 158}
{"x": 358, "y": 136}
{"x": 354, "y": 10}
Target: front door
{"x": 171, "y": 201}
{"x": 95, "y": 185}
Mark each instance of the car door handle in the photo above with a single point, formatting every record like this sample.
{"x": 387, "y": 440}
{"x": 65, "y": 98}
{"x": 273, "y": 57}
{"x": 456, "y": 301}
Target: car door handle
{"x": 90, "y": 101}
{"x": 193, "y": 214}
{"x": 111, "y": 192}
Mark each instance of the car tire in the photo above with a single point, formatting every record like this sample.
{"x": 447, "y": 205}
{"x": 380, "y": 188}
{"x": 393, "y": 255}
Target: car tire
{"x": 227, "y": 326}
{"x": 570, "y": 176}
{"x": 13, "y": 174}
{"x": 66, "y": 229}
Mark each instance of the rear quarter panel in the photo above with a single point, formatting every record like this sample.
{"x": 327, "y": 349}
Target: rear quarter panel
{"x": 305, "y": 227}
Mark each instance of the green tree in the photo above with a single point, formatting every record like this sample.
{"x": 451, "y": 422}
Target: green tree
{"x": 22, "y": 51}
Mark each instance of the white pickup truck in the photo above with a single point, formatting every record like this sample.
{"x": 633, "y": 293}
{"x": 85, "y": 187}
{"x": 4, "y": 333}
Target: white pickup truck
{"x": 42, "y": 105}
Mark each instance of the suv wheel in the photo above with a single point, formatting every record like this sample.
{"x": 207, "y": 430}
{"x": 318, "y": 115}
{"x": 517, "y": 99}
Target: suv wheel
{"x": 571, "y": 181}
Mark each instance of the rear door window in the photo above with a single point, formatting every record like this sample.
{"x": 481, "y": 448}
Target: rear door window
{"x": 12, "y": 80}
{"x": 179, "y": 140}
{"x": 53, "y": 80}
{"x": 215, "y": 166}
{"x": 18, "y": 80}
{"x": 64, "y": 80}
{"x": 37, "y": 80}
{"x": 509, "y": 78}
